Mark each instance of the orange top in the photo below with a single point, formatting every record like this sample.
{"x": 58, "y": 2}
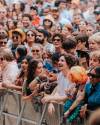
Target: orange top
{"x": 36, "y": 21}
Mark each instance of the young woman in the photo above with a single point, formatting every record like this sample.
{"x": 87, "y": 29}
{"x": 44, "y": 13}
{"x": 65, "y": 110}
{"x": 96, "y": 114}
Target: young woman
{"x": 35, "y": 71}
{"x": 78, "y": 76}
{"x": 30, "y": 40}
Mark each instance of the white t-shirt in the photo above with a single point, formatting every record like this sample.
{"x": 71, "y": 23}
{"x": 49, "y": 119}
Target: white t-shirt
{"x": 63, "y": 83}
{"x": 10, "y": 73}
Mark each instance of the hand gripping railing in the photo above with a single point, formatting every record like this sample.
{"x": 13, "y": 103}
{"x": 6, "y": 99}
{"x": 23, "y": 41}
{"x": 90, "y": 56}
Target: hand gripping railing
{"x": 20, "y": 119}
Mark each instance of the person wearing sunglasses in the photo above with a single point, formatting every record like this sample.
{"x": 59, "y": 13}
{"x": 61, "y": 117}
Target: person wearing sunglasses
{"x": 30, "y": 40}
{"x": 17, "y": 38}
{"x": 91, "y": 94}
{"x": 57, "y": 40}
{"x": 37, "y": 51}
{"x": 3, "y": 39}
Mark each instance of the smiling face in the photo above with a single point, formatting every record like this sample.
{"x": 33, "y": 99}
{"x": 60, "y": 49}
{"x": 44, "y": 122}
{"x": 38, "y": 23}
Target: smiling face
{"x": 36, "y": 52}
{"x": 39, "y": 68}
{"x": 62, "y": 64}
{"x": 57, "y": 42}
{"x": 47, "y": 23}
{"x": 26, "y": 22}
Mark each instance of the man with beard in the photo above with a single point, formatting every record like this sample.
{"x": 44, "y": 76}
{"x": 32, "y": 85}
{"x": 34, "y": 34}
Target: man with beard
{"x": 43, "y": 38}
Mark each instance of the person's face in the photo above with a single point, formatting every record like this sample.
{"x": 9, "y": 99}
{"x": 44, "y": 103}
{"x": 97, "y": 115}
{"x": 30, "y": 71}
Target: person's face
{"x": 19, "y": 24}
{"x": 83, "y": 62}
{"x": 93, "y": 62}
{"x": 55, "y": 14}
{"x": 57, "y": 42}
{"x": 93, "y": 45}
{"x": 33, "y": 12}
{"x": 26, "y": 22}
{"x": 3, "y": 62}
{"x": 20, "y": 17}
{"x": 62, "y": 5}
{"x": 2, "y": 13}
{"x": 77, "y": 19}
{"x": 93, "y": 80}
{"x": 17, "y": 6}
{"x": 10, "y": 24}
{"x": 46, "y": 11}
{"x": 62, "y": 65}
{"x": 97, "y": 16}
{"x": 16, "y": 39}
{"x": 82, "y": 25}
{"x": 24, "y": 65}
{"x": 80, "y": 46}
{"x": 39, "y": 68}
{"x": 3, "y": 42}
{"x": 30, "y": 37}
{"x": 36, "y": 52}
{"x": 65, "y": 31}
{"x": 47, "y": 23}
{"x": 89, "y": 30}
{"x": 40, "y": 37}
{"x": 72, "y": 51}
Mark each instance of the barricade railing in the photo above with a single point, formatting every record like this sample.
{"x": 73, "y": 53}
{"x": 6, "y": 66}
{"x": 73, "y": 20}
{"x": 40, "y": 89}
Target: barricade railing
{"x": 15, "y": 111}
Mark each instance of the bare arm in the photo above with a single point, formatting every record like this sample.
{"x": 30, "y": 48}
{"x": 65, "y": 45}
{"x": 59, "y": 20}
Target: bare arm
{"x": 75, "y": 103}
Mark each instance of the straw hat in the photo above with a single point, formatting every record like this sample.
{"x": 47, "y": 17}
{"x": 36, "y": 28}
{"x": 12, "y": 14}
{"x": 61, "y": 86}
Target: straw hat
{"x": 49, "y": 17}
{"x": 20, "y": 31}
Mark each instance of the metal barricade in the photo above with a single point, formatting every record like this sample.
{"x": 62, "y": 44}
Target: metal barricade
{"x": 15, "y": 111}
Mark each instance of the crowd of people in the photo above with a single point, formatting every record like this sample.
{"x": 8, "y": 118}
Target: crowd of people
{"x": 52, "y": 48}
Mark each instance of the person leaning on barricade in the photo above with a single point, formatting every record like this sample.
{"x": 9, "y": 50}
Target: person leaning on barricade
{"x": 77, "y": 75}
{"x": 64, "y": 64}
{"x": 9, "y": 68}
{"x": 22, "y": 76}
{"x": 91, "y": 93}
{"x": 36, "y": 80}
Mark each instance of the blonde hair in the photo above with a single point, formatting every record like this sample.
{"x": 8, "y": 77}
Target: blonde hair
{"x": 95, "y": 54}
{"x": 95, "y": 37}
{"x": 7, "y": 54}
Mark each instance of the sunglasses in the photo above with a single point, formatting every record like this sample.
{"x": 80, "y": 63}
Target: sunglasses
{"x": 35, "y": 50}
{"x": 1, "y": 43}
{"x": 57, "y": 40}
{"x": 93, "y": 75}
{"x": 47, "y": 20}
{"x": 1, "y": 58}
{"x": 15, "y": 37}
{"x": 30, "y": 35}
